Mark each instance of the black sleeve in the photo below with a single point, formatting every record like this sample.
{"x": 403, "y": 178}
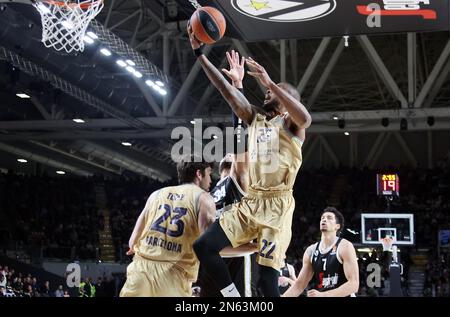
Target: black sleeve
{"x": 240, "y": 135}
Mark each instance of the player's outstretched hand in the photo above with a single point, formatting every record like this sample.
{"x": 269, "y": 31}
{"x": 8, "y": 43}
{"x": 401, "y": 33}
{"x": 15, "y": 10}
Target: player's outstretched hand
{"x": 194, "y": 42}
{"x": 258, "y": 72}
{"x": 236, "y": 72}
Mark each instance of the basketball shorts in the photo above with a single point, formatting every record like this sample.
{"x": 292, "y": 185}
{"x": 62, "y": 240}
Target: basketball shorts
{"x": 146, "y": 278}
{"x": 265, "y": 216}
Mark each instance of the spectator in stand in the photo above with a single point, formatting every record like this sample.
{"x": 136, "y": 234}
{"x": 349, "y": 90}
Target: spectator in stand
{"x": 2, "y": 280}
{"x": 45, "y": 290}
{"x": 2, "y": 291}
{"x": 59, "y": 292}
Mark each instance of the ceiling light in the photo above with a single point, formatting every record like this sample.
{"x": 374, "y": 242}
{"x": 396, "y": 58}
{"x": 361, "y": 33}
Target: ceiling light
{"x": 150, "y": 83}
{"x": 162, "y": 92}
{"x": 137, "y": 74}
{"x": 347, "y": 133}
{"x": 92, "y": 35}
{"x": 192, "y": 121}
{"x": 105, "y": 52}
{"x": 88, "y": 40}
{"x": 126, "y": 144}
{"x": 121, "y": 63}
{"x": 60, "y": 172}
{"x": 130, "y": 62}
{"x": 130, "y": 69}
{"x": 22, "y": 160}
{"x": 159, "y": 83}
{"x": 79, "y": 120}
{"x": 215, "y": 136}
{"x": 335, "y": 117}
{"x": 23, "y": 96}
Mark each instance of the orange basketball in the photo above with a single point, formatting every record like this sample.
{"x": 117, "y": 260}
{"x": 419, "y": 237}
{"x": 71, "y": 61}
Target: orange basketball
{"x": 208, "y": 25}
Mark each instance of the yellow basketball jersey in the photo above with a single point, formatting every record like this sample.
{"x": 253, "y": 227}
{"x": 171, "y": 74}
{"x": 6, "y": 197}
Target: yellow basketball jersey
{"x": 171, "y": 227}
{"x": 275, "y": 155}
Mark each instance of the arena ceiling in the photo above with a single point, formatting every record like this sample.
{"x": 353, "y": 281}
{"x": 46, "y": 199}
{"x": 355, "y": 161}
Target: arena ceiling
{"x": 370, "y": 78}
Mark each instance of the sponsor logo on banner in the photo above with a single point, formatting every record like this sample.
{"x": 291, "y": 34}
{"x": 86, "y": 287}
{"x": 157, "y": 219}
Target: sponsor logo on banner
{"x": 285, "y": 10}
{"x": 399, "y": 8}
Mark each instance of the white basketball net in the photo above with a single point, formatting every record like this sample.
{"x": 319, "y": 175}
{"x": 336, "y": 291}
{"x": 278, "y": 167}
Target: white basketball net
{"x": 64, "y": 22}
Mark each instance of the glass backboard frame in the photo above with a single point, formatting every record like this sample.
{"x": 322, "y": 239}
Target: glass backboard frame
{"x": 385, "y": 228}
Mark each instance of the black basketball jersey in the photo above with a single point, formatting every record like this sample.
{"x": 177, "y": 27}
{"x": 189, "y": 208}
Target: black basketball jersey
{"x": 328, "y": 269}
{"x": 226, "y": 192}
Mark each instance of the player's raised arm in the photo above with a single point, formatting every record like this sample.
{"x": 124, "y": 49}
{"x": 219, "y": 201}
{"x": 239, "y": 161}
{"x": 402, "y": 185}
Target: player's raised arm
{"x": 239, "y": 166}
{"x": 232, "y": 95}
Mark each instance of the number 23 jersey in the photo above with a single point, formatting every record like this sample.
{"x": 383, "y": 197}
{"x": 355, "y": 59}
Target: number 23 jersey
{"x": 171, "y": 227}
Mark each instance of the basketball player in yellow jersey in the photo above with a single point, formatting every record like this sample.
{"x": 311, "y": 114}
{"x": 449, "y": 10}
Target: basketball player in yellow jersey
{"x": 275, "y": 136}
{"x": 164, "y": 264}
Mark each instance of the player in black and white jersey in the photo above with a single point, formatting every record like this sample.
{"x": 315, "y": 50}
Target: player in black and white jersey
{"x": 228, "y": 189}
{"x": 243, "y": 269}
{"x": 330, "y": 265}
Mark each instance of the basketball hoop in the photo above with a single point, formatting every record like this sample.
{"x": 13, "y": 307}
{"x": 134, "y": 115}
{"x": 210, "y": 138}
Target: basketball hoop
{"x": 387, "y": 243}
{"x": 64, "y": 22}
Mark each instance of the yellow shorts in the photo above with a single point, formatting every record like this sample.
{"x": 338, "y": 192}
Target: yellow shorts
{"x": 146, "y": 278}
{"x": 266, "y": 216}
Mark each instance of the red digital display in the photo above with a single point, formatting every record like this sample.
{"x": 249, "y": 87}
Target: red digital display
{"x": 388, "y": 185}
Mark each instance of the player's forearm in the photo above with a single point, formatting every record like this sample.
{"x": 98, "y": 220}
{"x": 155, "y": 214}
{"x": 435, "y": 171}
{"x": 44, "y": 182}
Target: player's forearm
{"x": 298, "y": 112}
{"x": 235, "y": 99}
{"x": 346, "y": 289}
{"x": 296, "y": 289}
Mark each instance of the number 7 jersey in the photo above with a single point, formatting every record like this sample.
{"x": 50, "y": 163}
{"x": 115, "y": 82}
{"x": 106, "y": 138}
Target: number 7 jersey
{"x": 171, "y": 227}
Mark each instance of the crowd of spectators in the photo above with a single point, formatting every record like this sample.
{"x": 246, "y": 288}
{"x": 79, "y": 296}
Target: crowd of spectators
{"x": 55, "y": 217}
{"x": 18, "y": 284}
{"x": 437, "y": 279}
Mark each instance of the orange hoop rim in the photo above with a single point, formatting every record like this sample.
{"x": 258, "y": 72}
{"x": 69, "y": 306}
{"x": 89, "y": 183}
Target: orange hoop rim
{"x": 83, "y": 6}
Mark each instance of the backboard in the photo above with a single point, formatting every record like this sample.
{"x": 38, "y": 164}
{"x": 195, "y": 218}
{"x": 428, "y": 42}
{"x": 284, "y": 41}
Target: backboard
{"x": 377, "y": 226}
